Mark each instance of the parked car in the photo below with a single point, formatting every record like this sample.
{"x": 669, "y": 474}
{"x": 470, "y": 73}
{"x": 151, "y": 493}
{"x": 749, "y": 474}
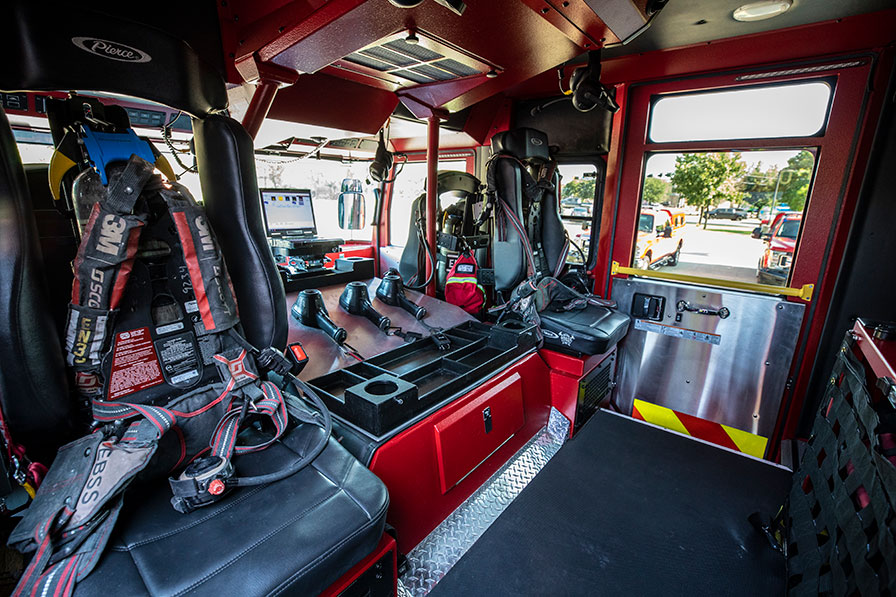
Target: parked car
{"x": 774, "y": 265}
{"x": 660, "y": 237}
{"x": 727, "y": 213}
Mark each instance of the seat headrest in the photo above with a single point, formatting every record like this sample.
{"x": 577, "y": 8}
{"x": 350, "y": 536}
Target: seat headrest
{"x": 522, "y": 143}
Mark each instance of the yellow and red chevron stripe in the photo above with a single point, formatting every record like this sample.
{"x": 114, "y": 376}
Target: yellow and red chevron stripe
{"x": 722, "y": 435}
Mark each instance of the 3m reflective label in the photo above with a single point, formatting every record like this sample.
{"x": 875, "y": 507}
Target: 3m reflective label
{"x": 676, "y": 332}
{"x": 717, "y": 433}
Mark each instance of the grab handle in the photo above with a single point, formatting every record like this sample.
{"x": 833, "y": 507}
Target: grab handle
{"x": 722, "y": 312}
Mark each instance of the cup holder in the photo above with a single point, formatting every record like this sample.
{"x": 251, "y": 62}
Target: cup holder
{"x": 514, "y": 325}
{"x": 381, "y": 388}
{"x": 381, "y": 403}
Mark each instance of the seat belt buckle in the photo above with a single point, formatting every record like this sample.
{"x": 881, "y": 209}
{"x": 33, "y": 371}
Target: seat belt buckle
{"x": 297, "y": 356}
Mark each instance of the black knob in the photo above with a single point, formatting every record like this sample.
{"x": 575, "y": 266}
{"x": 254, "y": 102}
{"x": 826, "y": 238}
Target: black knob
{"x": 310, "y": 310}
{"x": 391, "y": 292}
{"x": 356, "y": 300}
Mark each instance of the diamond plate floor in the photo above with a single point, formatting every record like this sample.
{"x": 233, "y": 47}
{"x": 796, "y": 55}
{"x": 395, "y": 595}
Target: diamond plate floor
{"x": 440, "y": 550}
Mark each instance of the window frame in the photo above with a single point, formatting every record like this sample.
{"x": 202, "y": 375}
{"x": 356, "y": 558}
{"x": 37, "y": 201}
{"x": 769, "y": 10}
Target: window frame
{"x": 833, "y": 150}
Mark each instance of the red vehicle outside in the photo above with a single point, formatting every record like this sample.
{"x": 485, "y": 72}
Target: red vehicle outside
{"x": 775, "y": 263}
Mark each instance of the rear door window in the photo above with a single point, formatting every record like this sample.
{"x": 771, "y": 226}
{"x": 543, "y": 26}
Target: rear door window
{"x": 731, "y": 202}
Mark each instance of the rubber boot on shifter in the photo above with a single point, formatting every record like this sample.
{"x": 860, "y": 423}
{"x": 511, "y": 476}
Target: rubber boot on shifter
{"x": 356, "y": 301}
{"x": 310, "y": 310}
{"x": 391, "y": 292}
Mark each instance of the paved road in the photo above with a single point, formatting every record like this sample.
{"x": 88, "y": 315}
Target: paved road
{"x": 724, "y": 250}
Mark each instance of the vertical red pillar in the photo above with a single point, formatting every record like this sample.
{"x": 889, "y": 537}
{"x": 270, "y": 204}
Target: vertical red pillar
{"x": 261, "y": 102}
{"x": 432, "y": 168}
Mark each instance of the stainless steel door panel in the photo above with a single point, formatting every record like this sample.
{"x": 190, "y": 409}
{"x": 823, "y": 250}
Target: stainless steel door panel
{"x": 738, "y": 382}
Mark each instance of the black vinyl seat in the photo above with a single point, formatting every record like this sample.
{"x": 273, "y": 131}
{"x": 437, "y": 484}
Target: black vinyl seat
{"x": 625, "y": 508}
{"x": 296, "y": 536}
{"x": 518, "y": 157}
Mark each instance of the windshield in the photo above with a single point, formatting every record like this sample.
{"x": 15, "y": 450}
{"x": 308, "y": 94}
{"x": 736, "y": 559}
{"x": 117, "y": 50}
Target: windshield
{"x": 789, "y": 229}
{"x": 645, "y": 224}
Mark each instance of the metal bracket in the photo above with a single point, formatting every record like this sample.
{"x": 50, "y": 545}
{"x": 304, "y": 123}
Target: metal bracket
{"x": 722, "y": 312}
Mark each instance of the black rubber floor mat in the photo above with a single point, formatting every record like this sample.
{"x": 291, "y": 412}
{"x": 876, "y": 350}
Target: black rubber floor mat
{"x": 628, "y": 509}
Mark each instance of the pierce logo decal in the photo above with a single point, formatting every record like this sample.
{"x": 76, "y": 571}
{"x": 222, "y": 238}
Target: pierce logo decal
{"x": 112, "y": 50}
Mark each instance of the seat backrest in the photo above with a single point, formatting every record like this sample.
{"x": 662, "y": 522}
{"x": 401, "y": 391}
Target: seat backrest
{"x": 518, "y": 158}
{"x": 226, "y": 160}
{"x": 34, "y": 395}
{"x": 58, "y": 243}
{"x": 456, "y": 220}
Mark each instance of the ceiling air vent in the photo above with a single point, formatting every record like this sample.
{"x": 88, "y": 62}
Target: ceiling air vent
{"x": 406, "y": 59}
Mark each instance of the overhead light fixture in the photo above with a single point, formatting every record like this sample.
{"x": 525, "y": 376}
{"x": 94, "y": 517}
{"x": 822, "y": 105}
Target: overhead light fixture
{"x": 759, "y": 11}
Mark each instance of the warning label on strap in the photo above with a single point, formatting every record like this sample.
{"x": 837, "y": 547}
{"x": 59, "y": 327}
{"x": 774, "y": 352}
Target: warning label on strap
{"x": 135, "y": 365}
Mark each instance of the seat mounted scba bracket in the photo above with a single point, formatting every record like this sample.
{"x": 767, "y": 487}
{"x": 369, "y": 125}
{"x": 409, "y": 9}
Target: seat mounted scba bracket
{"x": 88, "y": 134}
{"x": 154, "y": 343}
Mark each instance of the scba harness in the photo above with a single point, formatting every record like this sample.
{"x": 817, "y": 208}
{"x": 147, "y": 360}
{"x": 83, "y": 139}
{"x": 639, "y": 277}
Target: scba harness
{"x": 154, "y": 343}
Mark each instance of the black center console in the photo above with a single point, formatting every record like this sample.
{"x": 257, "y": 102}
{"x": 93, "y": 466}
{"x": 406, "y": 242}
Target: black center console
{"x": 375, "y": 399}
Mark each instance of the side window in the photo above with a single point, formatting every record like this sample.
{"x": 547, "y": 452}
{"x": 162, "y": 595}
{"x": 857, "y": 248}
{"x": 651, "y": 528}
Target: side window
{"x": 409, "y": 185}
{"x": 577, "y": 192}
{"x": 728, "y": 204}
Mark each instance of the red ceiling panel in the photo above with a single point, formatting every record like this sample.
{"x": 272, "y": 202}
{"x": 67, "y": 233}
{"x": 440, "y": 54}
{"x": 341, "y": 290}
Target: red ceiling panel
{"x": 330, "y": 101}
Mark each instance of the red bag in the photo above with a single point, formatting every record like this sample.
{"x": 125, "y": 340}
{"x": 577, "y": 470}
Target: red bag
{"x": 462, "y": 285}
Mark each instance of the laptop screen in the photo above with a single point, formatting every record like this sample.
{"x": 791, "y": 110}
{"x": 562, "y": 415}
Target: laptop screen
{"x": 288, "y": 212}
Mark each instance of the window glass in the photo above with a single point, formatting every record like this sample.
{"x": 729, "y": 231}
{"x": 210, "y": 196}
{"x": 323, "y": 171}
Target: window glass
{"x": 324, "y": 178}
{"x": 731, "y": 215}
{"x": 577, "y": 192}
{"x": 408, "y": 185}
{"x": 795, "y": 110}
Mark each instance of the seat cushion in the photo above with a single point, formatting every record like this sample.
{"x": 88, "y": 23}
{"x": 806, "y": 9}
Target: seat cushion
{"x": 295, "y": 536}
{"x": 625, "y": 508}
{"x": 592, "y": 330}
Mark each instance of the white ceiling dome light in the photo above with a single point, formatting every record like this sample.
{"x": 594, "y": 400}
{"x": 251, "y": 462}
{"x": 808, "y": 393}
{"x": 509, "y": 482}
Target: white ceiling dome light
{"x": 759, "y": 11}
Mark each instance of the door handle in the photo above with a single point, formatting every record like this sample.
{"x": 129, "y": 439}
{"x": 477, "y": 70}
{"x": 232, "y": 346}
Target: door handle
{"x": 722, "y": 312}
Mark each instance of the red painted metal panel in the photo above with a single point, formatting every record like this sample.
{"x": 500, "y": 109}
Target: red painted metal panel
{"x": 350, "y": 250}
{"x": 880, "y": 354}
{"x": 564, "y": 395}
{"x": 570, "y": 365}
{"x": 463, "y": 440}
{"x": 849, "y": 34}
{"x": 386, "y": 544}
{"x": 325, "y": 100}
{"x": 309, "y": 35}
{"x": 432, "y": 197}
{"x": 408, "y": 463}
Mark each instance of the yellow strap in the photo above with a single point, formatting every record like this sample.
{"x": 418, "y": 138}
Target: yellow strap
{"x": 60, "y": 164}
{"x": 165, "y": 168}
